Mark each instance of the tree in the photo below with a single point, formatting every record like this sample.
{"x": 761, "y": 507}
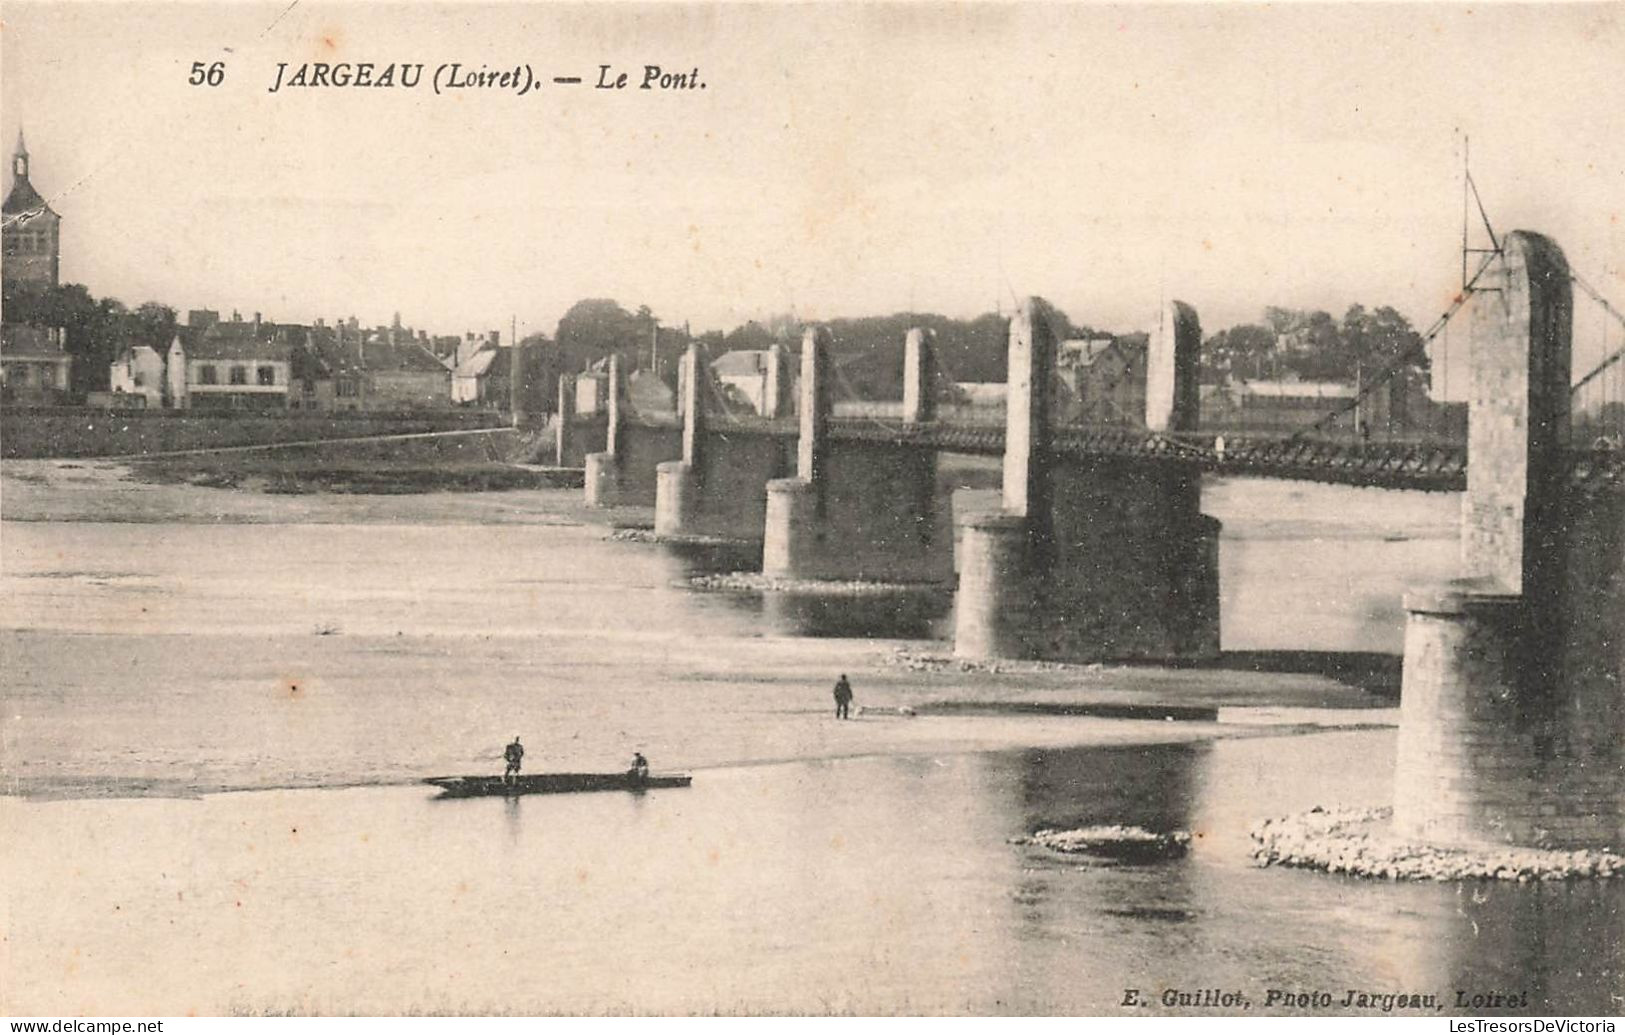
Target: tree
{"x": 541, "y": 373}
{"x": 1241, "y": 353}
{"x": 92, "y": 328}
{"x": 153, "y": 324}
{"x": 1313, "y": 346}
{"x": 1378, "y": 339}
{"x": 752, "y": 335}
{"x": 595, "y": 327}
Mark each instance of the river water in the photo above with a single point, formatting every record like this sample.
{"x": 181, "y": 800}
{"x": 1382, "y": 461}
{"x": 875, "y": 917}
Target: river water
{"x": 211, "y": 726}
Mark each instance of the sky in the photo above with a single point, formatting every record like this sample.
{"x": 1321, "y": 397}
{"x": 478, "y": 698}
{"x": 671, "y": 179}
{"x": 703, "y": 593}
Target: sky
{"x": 841, "y": 160}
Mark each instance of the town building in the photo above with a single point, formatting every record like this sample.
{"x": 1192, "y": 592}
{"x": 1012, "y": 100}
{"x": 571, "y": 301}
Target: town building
{"x": 347, "y": 367}
{"x": 137, "y": 373}
{"x": 236, "y": 365}
{"x": 592, "y": 388}
{"x": 742, "y": 375}
{"x": 978, "y": 397}
{"x": 475, "y": 381}
{"x": 32, "y": 235}
{"x": 35, "y": 367}
{"x": 1104, "y": 379}
{"x": 1397, "y": 406}
{"x": 400, "y": 376}
{"x": 485, "y": 379}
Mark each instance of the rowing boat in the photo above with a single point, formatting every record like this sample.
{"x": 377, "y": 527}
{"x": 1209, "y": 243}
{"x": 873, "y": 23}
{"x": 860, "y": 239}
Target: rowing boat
{"x": 551, "y": 783}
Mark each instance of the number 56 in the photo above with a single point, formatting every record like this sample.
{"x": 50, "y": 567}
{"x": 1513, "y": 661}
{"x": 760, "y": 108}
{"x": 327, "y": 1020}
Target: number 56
{"x": 214, "y": 75}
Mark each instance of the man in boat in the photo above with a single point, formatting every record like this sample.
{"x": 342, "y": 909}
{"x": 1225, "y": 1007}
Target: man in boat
{"x": 843, "y": 698}
{"x": 640, "y": 767}
{"x": 514, "y": 754}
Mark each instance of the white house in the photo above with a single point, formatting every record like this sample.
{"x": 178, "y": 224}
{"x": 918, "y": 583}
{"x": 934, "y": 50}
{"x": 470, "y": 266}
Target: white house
{"x": 471, "y": 379}
{"x": 139, "y": 370}
{"x": 235, "y": 365}
{"x": 745, "y": 371}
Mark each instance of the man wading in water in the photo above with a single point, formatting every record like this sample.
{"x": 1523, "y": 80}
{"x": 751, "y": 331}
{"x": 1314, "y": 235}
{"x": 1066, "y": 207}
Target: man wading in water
{"x": 514, "y": 753}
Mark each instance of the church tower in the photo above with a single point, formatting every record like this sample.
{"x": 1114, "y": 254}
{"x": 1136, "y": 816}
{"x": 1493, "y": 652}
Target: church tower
{"x": 32, "y": 233}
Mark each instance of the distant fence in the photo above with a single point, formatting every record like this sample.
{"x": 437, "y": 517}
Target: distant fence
{"x": 60, "y": 431}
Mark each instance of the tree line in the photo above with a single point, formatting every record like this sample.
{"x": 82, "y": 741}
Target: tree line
{"x": 95, "y": 330}
{"x": 868, "y": 351}
{"x": 1308, "y": 345}
{"x": 1312, "y": 346}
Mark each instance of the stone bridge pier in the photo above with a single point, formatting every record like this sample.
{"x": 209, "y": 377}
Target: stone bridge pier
{"x": 624, "y": 472}
{"x": 859, "y": 509}
{"x": 718, "y": 487}
{"x": 574, "y": 437}
{"x": 1512, "y": 709}
{"x": 1092, "y": 558}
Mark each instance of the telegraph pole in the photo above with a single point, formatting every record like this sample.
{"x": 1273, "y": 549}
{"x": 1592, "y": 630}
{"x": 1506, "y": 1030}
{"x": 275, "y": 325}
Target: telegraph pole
{"x": 516, "y": 374}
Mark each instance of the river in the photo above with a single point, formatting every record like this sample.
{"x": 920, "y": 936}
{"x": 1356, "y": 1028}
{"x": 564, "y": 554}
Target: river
{"x": 216, "y": 704}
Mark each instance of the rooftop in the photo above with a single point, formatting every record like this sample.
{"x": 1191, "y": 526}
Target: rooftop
{"x": 740, "y": 362}
{"x": 24, "y": 198}
{"x": 352, "y": 356}
{"x": 236, "y": 340}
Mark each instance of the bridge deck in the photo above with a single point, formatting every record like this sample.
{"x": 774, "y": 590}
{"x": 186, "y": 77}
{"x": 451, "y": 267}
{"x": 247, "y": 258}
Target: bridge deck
{"x": 1425, "y": 466}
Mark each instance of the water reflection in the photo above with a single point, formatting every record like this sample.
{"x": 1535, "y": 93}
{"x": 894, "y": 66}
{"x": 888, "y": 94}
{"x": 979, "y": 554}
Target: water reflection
{"x": 511, "y": 818}
{"x": 693, "y": 557}
{"x": 1148, "y": 786}
{"x": 910, "y": 614}
{"x": 904, "y": 613}
{"x": 1553, "y": 944}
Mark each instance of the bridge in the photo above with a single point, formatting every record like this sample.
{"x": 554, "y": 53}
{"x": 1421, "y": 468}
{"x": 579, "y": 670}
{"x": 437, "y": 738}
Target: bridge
{"x": 1410, "y": 463}
{"x": 1129, "y": 564}
{"x": 1513, "y": 698}
{"x": 1426, "y": 466}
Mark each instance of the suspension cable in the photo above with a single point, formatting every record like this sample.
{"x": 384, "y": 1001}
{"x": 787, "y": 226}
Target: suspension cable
{"x": 1417, "y": 350}
{"x": 1618, "y": 354}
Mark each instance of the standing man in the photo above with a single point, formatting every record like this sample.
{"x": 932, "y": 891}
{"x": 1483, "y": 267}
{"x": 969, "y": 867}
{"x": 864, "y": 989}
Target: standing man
{"x": 514, "y": 754}
{"x": 843, "y": 698}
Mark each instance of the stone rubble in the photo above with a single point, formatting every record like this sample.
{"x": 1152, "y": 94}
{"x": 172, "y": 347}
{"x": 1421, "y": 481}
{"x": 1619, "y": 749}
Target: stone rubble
{"x": 915, "y": 661}
{"x": 1358, "y": 842}
{"x": 903, "y": 710}
{"x": 756, "y": 582}
{"x": 1115, "y": 841}
{"x": 630, "y": 534}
